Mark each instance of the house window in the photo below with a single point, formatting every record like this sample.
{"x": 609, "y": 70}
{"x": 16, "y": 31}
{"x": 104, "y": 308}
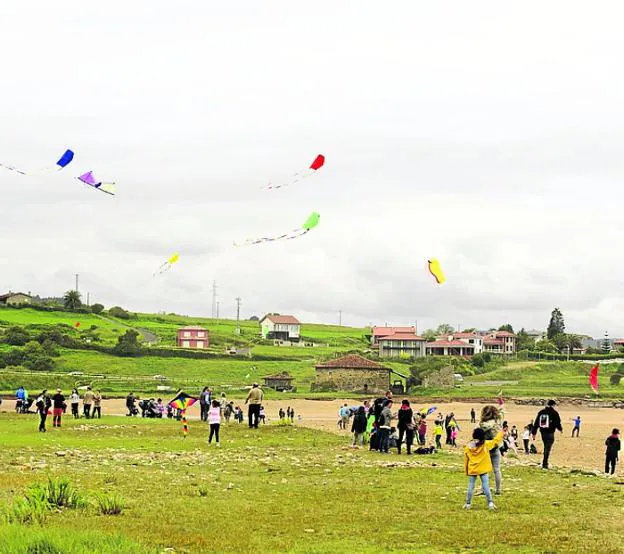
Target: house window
{"x": 200, "y": 334}
{"x": 200, "y": 344}
{"x": 186, "y": 343}
{"x": 187, "y": 334}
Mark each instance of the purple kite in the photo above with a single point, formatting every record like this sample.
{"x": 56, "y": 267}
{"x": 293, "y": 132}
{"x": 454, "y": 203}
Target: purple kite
{"x": 89, "y": 179}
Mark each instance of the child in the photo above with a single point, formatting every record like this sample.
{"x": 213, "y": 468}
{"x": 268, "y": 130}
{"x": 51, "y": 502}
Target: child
{"x": 514, "y": 433}
{"x": 262, "y": 415}
{"x": 358, "y": 428}
{"x": 613, "y": 447}
{"x": 477, "y": 463}
{"x": 214, "y": 419}
{"x": 454, "y": 433}
{"x": 526, "y": 436}
{"x": 422, "y": 431}
{"x": 438, "y": 431}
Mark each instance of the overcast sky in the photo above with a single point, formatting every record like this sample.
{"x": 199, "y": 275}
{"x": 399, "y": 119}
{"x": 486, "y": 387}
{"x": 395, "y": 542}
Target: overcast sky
{"x": 486, "y": 134}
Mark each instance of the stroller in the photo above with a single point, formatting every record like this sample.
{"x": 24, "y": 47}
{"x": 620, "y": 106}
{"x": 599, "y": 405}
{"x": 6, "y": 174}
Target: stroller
{"x": 24, "y": 408}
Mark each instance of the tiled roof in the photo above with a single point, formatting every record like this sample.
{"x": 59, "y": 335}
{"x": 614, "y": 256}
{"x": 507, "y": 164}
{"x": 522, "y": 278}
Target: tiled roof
{"x": 351, "y": 361}
{"x": 386, "y": 331}
{"x": 465, "y": 336}
{"x": 192, "y": 328}
{"x": 493, "y": 342}
{"x": 282, "y": 319}
{"x": 10, "y": 294}
{"x": 503, "y": 334}
{"x": 443, "y": 343}
{"x": 283, "y": 376}
{"x": 402, "y": 336}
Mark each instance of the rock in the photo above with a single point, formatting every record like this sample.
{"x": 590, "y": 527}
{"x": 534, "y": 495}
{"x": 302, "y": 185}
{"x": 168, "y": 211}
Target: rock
{"x": 60, "y": 453}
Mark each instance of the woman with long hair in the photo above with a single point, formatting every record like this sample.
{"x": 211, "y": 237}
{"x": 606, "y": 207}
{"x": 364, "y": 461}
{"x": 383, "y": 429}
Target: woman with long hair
{"x": 490, "y": 423}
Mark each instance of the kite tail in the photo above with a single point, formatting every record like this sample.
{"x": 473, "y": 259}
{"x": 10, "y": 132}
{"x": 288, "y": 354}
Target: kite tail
{"x": 184, "y": 424}
{"x": 296, "y": 177}
{"x": 286, "y": 236}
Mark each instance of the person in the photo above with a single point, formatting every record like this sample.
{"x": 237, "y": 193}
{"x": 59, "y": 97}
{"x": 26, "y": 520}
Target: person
{"x": 473, "y": 416}
{"x": 87, "y": 402}
{"x": 281, "y": 414}
{"x": 613, "y": 448}
{"x": 254, "y": 399}
{"x": 130, "y": 404}
{"x": 577, "y": 426}
{"x": 478, "y": 463}
{"x": 526, "y": 437}
{"x": 214, "y": 420}
{"x": 262, "y": 415}
{"x": 20, "y": 398}
{"x": 160, "y": 407}
{"x": 547, "y": 421}
{"x": 223, "y": 401}
{"x": 292, "y": 415}
{"x": 438, "y": 431}
{"x": 514, "y": 433}
{"x": 58, "y": 407}
{"x": 358, "y": 428}
{"x": 422, "y": 431}
{"x": 75, "y": 403}
{"x": 385, "y": 424}
{"x": 43, "y": 404}
{"x": 489, "y": 424}
{"x": 344, "y": 417}
{"x": 366, "y": 407}
{"x": 447, "y": 427}
{"x": 405, "y": 425}
{"x": 97, "y": 404}
{"x": 454, "y": 433}
{"x": 228, "y": 411}
{"x": 203, "y": 405}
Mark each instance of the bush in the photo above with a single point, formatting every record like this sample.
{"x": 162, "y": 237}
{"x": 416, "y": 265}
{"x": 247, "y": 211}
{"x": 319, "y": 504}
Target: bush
{"x": 39, "y": 363}
{"x": 128, "y": 344}
{"x": 97, "y": 308}
{"x": 14, "y": 357}
{"x": 59, "y": 493}
{"x": 16, "y": 336}
{"x": 110, "y": 504}
{"x": 118, "y": 312}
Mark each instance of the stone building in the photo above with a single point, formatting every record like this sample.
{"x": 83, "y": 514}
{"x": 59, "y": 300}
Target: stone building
{"x": 280, "y": 382}
{"x": 443, "y": 378}
{"x": 352, "y": 373}
{"x": 15, "y": 298}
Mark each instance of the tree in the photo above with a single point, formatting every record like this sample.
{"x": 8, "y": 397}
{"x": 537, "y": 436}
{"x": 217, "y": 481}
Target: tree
{"x": 507, "y": 327}
{"x": 97, "y": 308}
{"x": 560, "y": 340}
{"x": 545, "y": 346}
{"x": 118, "y": 312}
{"x": 72, "y": 300}
{"x": 524, "y": 341}
{"x": 16, "y": 336}
{"x": 128, "y": 344}
{"x": 556, "y": 325}
{"x": 574, "y": 341}
{"x": 429, "y": 335}
{"x": 470, "y": 330}
{"x": 605, "y": 345}
{"x": 445, "y": 329}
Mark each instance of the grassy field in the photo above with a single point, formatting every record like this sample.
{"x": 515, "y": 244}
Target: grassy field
{"x": 281, "y": 489}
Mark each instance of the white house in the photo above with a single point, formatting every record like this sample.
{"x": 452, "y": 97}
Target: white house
{"x": 281, "y": 327}
{"x": 472, "y": 339}
{"x": 401, "y": 344}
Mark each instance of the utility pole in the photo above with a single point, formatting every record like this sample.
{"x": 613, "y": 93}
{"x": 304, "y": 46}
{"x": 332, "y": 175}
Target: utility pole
{"x": 238, "y": 305}
{"x": 416, "y": 327}
{"x": 214, "y": 299}
{"x": 88, "y": 294}
{"x": 458, "y": 327}
{"x": 218, "y": 309}
{"x": 339, "y": 318}
{"x": 77, "y": 281}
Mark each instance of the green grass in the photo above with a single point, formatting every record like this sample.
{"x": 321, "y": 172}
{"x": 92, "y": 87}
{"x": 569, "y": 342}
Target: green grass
{"x": 287, "y": 489}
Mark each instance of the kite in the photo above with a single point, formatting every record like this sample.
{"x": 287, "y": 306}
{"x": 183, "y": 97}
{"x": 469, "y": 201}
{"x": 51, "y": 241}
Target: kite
{"x": 89, "y": 179}
{"x": 167, "y": 265}
{"x": 593, "y": 378}
{"x": 63, "y": 161}
{"x": 77, "y": 324}
{"x": 436, "y": 270}
{"x": 318, "y": 162}
{"x": 308, "y": 225}
{"x": 181, "y": 402}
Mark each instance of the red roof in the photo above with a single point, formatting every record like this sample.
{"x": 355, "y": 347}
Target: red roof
{"x": 283, "y": 319}
{"x": 465, "y": 336}
{"x": 493, "y": 342}
{"x": 192, "y": 328}
{"x": 503, "y": 334}
{"x": 618, "y": 341}
{"x": 443, "y": 343}
{"x": 402, "y": 336}
{"x": 351, "y": 361}
{"x": 386, "y": 331}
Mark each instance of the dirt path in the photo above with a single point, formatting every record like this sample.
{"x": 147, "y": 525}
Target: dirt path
{"x": 586, "y": 451}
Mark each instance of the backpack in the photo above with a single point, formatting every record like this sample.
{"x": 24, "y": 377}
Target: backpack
{"x": 544, "y": 421}
{"x": 382, "y": 420}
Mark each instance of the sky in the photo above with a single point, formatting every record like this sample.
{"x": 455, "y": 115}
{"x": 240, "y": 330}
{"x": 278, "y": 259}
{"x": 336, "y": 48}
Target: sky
{"x": 485, "y": 134}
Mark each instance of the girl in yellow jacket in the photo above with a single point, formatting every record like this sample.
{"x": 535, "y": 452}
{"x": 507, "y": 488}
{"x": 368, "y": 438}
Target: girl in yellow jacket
{"x": 477, "y": 463}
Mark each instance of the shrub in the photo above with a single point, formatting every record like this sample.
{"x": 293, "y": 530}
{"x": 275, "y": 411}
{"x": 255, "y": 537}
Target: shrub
{"x": 110, "y": 504}
{"x": 97, "y": 308}
{"x": 128, "y": 344}
{"x": 13, "y": 357}
{"x": 39, "y": 363}
{"x": 59, "y": 493}
{"x": 16, "y": 336}
{"x": 118, "y": 312}
{"x": 43, "y": 546}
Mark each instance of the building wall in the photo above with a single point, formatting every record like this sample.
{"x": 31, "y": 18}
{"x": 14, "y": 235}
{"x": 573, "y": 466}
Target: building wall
{"x": 353, "y": 380}
{"x": 18, "y": 299}
{"x": 396, "y": 349}
{"x": 193, "y": 338}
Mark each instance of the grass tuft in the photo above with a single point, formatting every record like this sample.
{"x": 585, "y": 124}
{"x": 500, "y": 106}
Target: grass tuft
{"x": 110, "y": 504}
